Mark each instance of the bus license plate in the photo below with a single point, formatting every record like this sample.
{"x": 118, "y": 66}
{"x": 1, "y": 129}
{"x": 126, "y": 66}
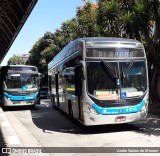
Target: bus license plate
{"x": 23, "y": 102}
{"x": 120, "y": 118}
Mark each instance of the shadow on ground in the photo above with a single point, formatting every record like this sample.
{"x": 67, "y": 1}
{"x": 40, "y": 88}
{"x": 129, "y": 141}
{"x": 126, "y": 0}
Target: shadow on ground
{"x": 50, "y": 119}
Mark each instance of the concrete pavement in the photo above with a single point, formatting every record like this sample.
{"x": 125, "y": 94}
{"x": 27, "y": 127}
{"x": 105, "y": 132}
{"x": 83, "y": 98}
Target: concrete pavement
{"x": 11, "y": 138}
{"x": 15, "y": 134}
{"x": 9, "y": 135}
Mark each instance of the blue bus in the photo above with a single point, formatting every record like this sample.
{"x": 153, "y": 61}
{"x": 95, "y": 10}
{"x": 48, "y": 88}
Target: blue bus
{"x": 19, "y": 85}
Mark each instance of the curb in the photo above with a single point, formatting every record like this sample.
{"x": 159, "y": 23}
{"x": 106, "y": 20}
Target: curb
{"x": 10, "y": 125}
{"x": 26, "y": 137}
{"x": 8, "y": 132}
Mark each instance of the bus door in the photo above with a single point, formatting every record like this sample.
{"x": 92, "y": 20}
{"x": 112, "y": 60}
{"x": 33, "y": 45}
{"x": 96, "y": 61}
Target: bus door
{"x": 61, "y": 92}
{"x": 50, "y": 87}
{"x": 78, "y": 90}
{"x": 68, "y": 86}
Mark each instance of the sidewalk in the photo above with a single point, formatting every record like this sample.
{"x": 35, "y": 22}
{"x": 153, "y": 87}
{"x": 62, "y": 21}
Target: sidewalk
{"x": 9, "y": 138}
{"x": 8, "y": 133}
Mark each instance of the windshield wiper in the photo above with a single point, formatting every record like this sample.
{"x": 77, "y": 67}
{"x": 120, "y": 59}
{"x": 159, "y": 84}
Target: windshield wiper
{"x": 110, "y": 70}
{"x": 129, "y": 67}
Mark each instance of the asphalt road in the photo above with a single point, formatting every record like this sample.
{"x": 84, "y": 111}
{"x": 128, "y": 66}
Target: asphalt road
{"x": 46, "y": 127}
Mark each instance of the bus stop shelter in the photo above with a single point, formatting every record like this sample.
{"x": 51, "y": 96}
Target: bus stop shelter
{"x": 13, "y": 14}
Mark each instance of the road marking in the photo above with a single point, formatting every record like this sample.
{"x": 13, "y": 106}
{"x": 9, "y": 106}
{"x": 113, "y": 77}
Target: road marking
{"x": 5, "y": 123}
{"x": 13, "y": 140}
{"x": 1, "y": 114}
{"x": 8, "y": 131}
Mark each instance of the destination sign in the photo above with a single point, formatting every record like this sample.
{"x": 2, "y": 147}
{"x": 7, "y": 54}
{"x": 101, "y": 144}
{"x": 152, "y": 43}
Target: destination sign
{"x": 114, "y": 52}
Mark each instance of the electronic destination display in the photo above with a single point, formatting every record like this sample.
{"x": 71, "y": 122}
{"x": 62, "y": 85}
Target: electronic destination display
{"x": 114, "y": 52}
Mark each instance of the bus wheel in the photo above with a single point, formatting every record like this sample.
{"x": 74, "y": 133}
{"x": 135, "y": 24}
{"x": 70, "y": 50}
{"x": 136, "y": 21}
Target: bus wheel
{"x": 70, "y": 109}
{"x": 4, "y": 107}
{"x": 32, "y": 107}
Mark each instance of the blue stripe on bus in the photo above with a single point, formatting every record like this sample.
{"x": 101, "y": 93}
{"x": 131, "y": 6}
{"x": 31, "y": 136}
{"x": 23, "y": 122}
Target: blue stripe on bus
{"x": 119, "y": 110}
{"x": 23, "y": 97}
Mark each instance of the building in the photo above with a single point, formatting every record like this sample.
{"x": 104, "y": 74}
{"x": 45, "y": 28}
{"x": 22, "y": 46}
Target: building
{"x": 23, "y": 56}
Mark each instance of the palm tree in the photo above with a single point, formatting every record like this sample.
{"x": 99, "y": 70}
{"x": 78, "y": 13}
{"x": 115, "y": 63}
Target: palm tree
{"x": 155, "y": 78}
{"x": 108, "y": 18}
{"x": 87, "y": 20}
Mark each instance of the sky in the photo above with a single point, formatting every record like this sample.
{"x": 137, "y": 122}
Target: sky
{"x": 47, "y": 15}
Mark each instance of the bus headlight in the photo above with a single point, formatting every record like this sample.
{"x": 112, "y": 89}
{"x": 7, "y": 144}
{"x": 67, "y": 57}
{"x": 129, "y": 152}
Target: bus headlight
{"x": 91, "y": 109}
{"x": 144, "y": 106}
{"x": 144, "y": 110}
{"x": 7, "y": 98}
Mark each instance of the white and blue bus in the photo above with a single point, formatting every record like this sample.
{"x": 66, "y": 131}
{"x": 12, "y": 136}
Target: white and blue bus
{"x": 19, "y": 85}
{"x": 100, "y": 80}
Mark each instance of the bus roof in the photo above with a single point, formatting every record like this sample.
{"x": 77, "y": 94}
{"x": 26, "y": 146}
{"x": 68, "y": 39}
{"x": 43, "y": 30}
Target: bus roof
{"x": 99, "y": 39}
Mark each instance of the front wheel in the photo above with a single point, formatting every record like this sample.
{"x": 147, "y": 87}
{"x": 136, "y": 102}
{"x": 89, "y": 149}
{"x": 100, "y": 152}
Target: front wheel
{"x": 32, "y": 107}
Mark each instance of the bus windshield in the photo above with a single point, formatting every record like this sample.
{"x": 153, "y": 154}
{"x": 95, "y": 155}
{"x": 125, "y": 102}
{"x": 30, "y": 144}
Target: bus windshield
{"x": 102, "y": 79}
{"x": 21, "y": 82}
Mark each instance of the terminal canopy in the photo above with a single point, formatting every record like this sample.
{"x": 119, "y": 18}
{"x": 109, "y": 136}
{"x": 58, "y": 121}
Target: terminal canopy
{"x": 13, "y": 14}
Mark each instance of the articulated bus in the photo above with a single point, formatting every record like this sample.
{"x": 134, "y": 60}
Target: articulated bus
{"x": 43, "y": 92}
{"x": 19, "y": 85}
{"x": 100, "y": 80}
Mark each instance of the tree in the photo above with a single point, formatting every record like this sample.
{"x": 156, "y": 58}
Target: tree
{"x": 87, "y": 20}
{"x": 139, "y": 19}
{"x": 108, "y": 18}
{"x": 15, "y": 60}
{"x": 37, "y": 57}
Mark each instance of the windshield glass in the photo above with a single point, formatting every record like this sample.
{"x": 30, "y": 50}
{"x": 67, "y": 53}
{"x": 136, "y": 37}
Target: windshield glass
{"x": 21, "y": 82}
{"x": 133, "y": 79}
{"x": 102, "y": 83}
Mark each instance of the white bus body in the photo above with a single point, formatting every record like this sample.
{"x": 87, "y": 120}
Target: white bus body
{"x": 19, "y": 85}
{"x": 100, "y": 80}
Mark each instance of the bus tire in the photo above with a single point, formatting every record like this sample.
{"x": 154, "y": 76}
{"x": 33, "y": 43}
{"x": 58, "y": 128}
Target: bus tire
{"x": 32, "y": 107}
{"x": 4, "y": 107}
{"x": 70, "y": 110}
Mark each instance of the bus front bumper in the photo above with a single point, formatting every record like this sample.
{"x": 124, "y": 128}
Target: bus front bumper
{"x": 7, "y": 102}
{"x": 93, "y": 119}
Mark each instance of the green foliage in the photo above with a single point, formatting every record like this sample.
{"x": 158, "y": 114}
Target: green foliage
{"x": 15, "y": 60}
{"x": 38, "y": 51}
{"x": 108, "y": 18}
{"x": 136, "y": 19}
